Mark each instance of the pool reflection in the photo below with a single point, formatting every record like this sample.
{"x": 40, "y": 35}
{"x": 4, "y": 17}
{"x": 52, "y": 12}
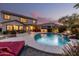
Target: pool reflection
{"x": 51, "y": 39}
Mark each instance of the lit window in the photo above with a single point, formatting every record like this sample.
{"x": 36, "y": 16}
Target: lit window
{"x": 9, "y": 27}
{"x": 20, "y": 27}
{"x": 43, "y": 30}
{"x": 27, "y": 28}
{"x": 31, "y": 27}
{"x": 6, "y": 17}
{"x": 55, "y": 30}
{"x": 34, "y": 21}
{"x": 15, "y": 27}
{"x": 23, "y": 20}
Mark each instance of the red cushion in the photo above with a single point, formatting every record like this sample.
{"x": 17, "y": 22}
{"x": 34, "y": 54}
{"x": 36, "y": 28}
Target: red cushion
{"x": 14, "y": 47}
{"x": 6, "y": 50}
{"x": 6, "y": 54}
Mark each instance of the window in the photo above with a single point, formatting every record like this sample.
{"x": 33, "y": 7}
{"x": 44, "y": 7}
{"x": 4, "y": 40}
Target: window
{"x": 55, "y": 30}
{"x": 23, "y": 20}
{"x": 20, "y": 27}
{"x": 27, "y": 28}
{"x": 15, "y": 27}
{"x": 43, "y": 30}
{"x": 9, "y": 27}
{"x": 34, "y": 21}
{"x": 6, "y": 17}
{"x": 31, "y": 27}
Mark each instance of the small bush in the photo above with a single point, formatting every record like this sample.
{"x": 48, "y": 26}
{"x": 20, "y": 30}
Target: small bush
{"x": 5, "y": 32}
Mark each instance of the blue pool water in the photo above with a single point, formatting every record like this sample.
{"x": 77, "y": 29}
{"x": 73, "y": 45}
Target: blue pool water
{"x": 51, "y": 39}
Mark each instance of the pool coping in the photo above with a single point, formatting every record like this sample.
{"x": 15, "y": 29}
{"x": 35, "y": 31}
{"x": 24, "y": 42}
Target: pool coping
{"x": 30, "y": 41}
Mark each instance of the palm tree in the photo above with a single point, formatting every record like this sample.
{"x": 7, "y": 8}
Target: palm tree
{"x": 74, "y": 19}
{"x": 70, "y": 20}
{"x": 64, "y": 20}
{"x": 76, "y": 6}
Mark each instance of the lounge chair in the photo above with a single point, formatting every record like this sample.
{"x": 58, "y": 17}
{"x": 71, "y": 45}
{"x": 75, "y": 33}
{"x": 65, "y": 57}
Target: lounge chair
{"x": 11, "y": 48}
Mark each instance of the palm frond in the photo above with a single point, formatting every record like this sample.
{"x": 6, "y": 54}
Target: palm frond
{"x": 76, "y": 6}
{"x": 71, "y": 50}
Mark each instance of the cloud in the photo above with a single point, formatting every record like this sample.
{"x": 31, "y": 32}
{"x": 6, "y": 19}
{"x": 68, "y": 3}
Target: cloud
{"x": 35, "y": 14}
{"x": 43, "y": 20}
{"x": 40, "y": 18}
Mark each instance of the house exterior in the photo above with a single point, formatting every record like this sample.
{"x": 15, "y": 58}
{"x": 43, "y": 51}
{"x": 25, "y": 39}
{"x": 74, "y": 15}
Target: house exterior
{"x": 12, "y": 21}
{"x": 49, "y": 27}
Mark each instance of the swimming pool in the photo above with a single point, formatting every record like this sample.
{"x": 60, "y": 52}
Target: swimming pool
{"x": 51, "y": 39}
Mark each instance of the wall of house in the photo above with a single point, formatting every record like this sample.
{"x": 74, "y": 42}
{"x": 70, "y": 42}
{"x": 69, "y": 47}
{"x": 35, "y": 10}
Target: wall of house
{"x": 18, "y": 18}
{"x": 46, "y": 26}
{"x": 49, "y": 25}
{"x": 14, "y": 18}
{"x": 11, "y": 18}
{"x": 14, "y": 23}
{"x": 30, "y": 21}
{"x": 3, "y": 27}
{"x": 10, "y": 23}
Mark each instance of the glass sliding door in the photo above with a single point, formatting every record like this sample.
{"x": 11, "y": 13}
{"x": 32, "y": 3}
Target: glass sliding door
{"x": 9, "y": 27}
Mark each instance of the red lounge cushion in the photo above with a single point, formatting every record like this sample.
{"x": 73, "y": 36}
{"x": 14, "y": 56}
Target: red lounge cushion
{"x": 6, "y": 54}
{"x": 13, "y": 47}
{"x": 4, "y": 50}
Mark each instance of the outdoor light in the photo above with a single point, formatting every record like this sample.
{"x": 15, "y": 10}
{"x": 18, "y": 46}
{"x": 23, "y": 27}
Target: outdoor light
{"x": 34, "y": 21}
{"x": 68, "y": 31}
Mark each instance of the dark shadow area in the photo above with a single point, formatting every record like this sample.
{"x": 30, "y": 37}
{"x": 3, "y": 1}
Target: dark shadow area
{"x": 30, "y": 51}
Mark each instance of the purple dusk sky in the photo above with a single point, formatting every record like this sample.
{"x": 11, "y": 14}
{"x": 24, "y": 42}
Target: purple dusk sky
{"x": 47, "y": 11}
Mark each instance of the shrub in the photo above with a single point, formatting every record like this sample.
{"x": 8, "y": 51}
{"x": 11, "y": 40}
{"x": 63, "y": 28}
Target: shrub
{"x": 5, "y": 32}
{"x": 62, "y": 29}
